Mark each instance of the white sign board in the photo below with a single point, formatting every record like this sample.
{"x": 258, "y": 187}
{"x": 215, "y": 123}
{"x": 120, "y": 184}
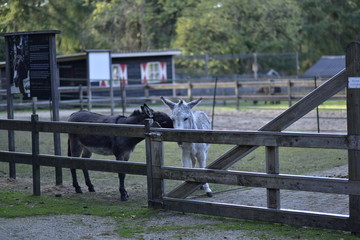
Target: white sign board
{"x": 99, "y": 66}
{"x": 354, "y": 82}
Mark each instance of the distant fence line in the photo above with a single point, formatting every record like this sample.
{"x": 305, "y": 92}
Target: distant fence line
{"x": 270, "y": 90}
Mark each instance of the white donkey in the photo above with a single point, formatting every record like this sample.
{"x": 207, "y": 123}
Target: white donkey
{"x": 184, "y": 118}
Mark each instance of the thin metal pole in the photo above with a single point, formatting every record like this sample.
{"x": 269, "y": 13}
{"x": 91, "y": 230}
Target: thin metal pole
{"x": 317, "y": 110}
{"x": 297, "y": 64}
{"x": 214, "y": 102}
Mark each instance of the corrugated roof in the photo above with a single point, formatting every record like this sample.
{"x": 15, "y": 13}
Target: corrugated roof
{"x": 327, "y": 66}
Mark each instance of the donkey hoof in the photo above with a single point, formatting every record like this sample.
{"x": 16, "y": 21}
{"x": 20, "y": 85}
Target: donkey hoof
{"x": 78, "y": 190}
{"x": 209, "y": 194}
{"x": 124, "y": 196}
{"x": 91, "y": 189}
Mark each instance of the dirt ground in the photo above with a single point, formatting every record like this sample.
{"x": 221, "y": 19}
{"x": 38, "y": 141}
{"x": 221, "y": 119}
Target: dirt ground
{"x": 91, "y": 227}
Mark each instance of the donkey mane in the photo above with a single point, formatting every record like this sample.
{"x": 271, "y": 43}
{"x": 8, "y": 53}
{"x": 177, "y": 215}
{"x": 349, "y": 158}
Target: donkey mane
{"x": 135, "y": 113}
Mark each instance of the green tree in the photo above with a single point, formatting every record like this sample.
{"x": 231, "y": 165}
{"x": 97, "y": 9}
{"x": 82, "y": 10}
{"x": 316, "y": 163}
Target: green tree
{"x": 69, "y": 17}
{"x": 119, "y": 24}
{"x": 136, "y": 25}
{"x": 328, "y": 27}
{"x": 239, "y": 26}
{"x": 163, "y": 15}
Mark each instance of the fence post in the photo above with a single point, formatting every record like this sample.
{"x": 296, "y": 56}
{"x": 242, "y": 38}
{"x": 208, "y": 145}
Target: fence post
{"x": 154, "y": 161}
{"x": 35, "y": 153}
{"x": 81, "y": 97}
{"x": 10, "y": 111}
{"x": 190, "y": 91}
{"x": 353, "y": 118}
{"x": 89, "y": 95}
{"x": 289, "y": 84}
{"x": 146, "y": 92}
{"x": 112, "y": 104}
{"x": 272, "y": 167}
{"x": 123, "y": 97}
{"x": 237, "y": 94}
{"x": 34, "y": 105}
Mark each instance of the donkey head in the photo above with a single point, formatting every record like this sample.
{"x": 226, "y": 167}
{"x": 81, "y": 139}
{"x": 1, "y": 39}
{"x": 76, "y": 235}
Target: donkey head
{"x": 161, "y": 119}
{"x": 182, "y": 115}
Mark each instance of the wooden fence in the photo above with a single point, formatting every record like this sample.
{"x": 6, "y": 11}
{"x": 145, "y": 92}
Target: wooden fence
{"x": 269, "y": 136}
{"x": 241, "y": 90}
{"x": 175, "y": 200}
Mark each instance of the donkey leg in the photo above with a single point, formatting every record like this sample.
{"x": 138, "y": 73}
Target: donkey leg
{"x": 201, "y": 156}
{"x": 88, "y": 181}
{"x": 75, "y": 181}
{"x": 186, "y": 158}
{"x": 74, "y": 150}
{"x": 123, "y": 193}
{"x": 87, "y": 154}
{"x": 123, "y": 156}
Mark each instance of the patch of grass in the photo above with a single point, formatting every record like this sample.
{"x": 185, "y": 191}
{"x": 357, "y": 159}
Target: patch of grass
{"x": 264, "y": 230}
{"x": 127, "y": 231}
{"x": 295, "y": 160}
{"x": 255, "y": 229}
{"x": 273, "y": 231}
{"x": 16, "y": 204}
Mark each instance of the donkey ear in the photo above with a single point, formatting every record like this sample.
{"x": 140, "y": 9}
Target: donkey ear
{"x": 169, "y": 103}
{"x": 148, "y": 111}
{"x": 194, "y": 103}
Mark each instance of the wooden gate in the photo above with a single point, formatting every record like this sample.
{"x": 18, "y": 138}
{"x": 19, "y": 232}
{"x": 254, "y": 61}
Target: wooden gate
{"x": 271, "y": 137}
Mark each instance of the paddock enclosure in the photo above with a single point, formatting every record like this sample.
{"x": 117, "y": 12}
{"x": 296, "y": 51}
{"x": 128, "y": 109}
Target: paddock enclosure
{"x": 270, "y": 136}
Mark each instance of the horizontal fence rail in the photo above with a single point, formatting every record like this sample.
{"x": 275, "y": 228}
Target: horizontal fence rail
{"x": 262, "y": 180}
{"x": 75, "y": 162}
{"x": 303, "y": 218}
{"x": 264, "y": 138}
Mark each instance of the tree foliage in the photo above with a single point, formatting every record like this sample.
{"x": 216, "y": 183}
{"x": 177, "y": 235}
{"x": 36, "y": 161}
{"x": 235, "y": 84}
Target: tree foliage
{"x": 328, "y": 26}
{"x": 310, "y": 27}
{"x": 67, "y": 16}
{"x": 239, "y": 26}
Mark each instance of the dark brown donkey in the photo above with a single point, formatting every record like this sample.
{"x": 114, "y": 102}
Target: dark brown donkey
{"x": 121, "y": 147}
